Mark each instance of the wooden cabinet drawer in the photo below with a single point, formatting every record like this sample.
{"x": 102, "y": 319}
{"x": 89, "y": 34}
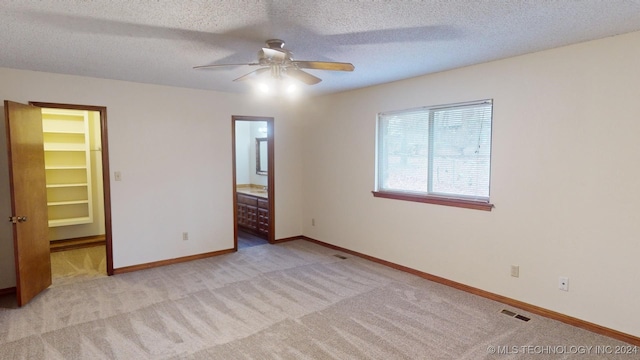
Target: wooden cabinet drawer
{"x": 249, "y": 200}
{"x": 263, "y": 222}
{"x": 263, "y": 203}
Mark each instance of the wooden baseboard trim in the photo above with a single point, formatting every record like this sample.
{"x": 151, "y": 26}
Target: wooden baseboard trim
{"x": 8, "y": 291}
{"x": 77, "y": 243}
{"x": 598, "y": 329}
{"x": 289, "y": 239}
{"x": 155, "y": 264}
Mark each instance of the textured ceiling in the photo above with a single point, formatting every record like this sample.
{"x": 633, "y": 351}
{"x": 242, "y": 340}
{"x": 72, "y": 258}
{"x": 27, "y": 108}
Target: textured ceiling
{"x": 159, "y": 41}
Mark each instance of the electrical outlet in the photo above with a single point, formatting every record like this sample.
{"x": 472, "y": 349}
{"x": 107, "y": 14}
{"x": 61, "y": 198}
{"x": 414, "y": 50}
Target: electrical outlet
{"x": 515, "y": 270}
{"x": 563, "y": 283}
{"x": 185, "y": 236}
{"x": 313, "y": 222}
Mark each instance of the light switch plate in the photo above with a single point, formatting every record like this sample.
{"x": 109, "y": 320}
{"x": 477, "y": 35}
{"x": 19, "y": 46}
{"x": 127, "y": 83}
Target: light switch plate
{"x": 515, "y": 270}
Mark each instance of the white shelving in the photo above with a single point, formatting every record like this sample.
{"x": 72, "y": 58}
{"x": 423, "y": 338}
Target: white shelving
{"x": 68, "y": 166}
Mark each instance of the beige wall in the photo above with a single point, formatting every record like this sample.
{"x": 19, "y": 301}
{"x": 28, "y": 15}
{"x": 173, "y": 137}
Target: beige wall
{"x": 564, "y": 181}
{"x": 173, "y": 148}
{"x": 243, "y": 147}
{"x": 246, "y": 134}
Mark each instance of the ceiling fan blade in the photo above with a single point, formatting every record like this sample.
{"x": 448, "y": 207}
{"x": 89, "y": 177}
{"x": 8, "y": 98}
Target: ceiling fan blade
{"x": 303, "y": 76}
{"x": 222, "y": 65}
{"x": 324, "y": 65}
{"x": 253, "y": 74}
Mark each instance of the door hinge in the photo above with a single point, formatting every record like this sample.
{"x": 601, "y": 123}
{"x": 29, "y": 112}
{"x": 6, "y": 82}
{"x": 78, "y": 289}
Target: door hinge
{"x": 17, "y": 219}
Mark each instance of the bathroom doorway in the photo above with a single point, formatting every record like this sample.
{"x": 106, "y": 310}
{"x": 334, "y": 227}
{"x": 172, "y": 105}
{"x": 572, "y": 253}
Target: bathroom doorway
{"x": 253, "y": 181}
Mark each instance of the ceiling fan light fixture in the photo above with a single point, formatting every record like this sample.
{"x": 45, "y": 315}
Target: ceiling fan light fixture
{"x": 272, "y": 87}
{"x": 263, "y": 87}
{"x": 279, "y": 62}
{"x": 291, "y": 88}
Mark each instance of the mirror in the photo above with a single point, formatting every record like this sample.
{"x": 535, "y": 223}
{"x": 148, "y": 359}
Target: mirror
{"x": 261, "y": 156}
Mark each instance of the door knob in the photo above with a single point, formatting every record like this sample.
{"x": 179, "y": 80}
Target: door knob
{"x": 22, "y": 218}
{"x": 17, "y": 219}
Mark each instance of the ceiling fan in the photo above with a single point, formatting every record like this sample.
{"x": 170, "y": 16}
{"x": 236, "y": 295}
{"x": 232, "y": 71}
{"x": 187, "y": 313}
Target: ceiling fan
{"x": 278, "y": 61}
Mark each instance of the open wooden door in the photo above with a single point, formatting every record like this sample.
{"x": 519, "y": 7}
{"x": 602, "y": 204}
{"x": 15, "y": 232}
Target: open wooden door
{"x": 28, "y": 200}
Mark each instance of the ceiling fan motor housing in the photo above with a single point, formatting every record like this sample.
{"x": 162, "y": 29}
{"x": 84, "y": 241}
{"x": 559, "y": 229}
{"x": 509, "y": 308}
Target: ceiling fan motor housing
{"x": 275, "y": 44}
{"x": 274, "y": 54}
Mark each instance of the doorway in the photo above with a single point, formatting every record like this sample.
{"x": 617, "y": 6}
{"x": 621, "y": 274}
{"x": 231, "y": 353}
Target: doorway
{"x": 78, "y": 191}
{"x": 253, "y": 180}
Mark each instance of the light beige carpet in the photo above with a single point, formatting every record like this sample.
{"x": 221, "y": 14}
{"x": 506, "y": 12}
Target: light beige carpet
{"x": 289, "y": 301}
{"x": 70, "y": 265}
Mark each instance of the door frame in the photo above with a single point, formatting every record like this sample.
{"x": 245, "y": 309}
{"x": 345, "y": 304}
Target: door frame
{"x": 105, "y": 169}
{"x": 270, "y": 175}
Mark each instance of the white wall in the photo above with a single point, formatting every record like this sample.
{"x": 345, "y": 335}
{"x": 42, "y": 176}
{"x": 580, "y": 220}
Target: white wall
{"x": 246, "y": 134}
{"x": 564, "y": 181}
{"x": 243, "y": 147}
{"x": 173, "y": 147}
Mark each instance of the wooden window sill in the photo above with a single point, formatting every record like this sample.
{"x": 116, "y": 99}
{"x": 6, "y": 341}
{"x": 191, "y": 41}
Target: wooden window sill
{"x": 430, "y": 199}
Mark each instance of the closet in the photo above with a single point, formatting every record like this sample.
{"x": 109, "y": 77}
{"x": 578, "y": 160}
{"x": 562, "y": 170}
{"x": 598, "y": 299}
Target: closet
{"x": 75, "y": 199}
{"x": 67, "y": 166}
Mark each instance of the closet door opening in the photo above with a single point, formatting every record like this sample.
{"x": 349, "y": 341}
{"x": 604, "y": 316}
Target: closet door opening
{"x": 78, "y": 191}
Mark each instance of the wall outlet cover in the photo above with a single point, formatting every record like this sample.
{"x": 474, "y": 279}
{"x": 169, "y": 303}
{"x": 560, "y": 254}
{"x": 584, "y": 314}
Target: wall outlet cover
{"x": 563, "y": 283}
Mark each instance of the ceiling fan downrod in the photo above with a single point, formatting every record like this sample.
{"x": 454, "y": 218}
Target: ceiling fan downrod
{"x": 276, "y": 72}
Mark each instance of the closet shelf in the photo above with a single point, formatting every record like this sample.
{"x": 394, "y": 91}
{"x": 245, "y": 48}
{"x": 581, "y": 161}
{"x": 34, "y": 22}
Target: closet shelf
{"x": 70, "y": 221}
{"x": 65, "y": 167}
{"x": 71, "y": 202}
{"x": 47, "y": 131}
{"x": 51, "y": 186}
{"x": 63, "y": 148}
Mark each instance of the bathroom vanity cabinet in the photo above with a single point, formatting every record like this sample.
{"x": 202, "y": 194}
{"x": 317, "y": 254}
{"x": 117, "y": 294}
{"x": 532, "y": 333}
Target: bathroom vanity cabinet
{"x": 253, "y": 214}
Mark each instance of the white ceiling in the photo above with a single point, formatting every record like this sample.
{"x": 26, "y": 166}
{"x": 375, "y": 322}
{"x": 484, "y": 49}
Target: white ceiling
{"x": 159, "y": 41}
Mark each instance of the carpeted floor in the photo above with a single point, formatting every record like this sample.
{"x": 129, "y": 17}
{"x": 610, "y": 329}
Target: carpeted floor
{"x": 72, "y": 265}
{"x": 246, "y": 240}
{"x": 294, "y": 300}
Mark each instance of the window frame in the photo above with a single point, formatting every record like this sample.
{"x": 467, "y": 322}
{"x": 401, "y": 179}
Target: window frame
{"x": 461, "y": 201}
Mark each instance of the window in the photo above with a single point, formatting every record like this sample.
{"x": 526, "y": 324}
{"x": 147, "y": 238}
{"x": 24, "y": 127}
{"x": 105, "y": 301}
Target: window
{"x": 439, "y": 154}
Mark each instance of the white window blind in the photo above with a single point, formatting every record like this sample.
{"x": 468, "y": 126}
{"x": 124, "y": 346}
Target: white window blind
{"x": 442, "y": 151}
